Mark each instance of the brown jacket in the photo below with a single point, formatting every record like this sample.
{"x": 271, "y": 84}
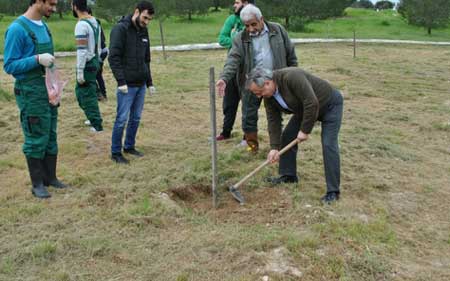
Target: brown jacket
{"x": 305, "y": 95}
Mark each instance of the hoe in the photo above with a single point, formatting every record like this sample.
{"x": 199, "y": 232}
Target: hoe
{"x": 234, "y": 188}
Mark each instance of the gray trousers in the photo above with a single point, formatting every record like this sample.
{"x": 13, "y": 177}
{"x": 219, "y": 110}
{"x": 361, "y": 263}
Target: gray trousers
{"x": 331, "y": 123}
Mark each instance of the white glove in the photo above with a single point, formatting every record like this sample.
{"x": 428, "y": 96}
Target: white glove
{"x": 45, "y": 59}
{"x": 123, "y": 89}
{"x": 151, "y": 90}
{"x": 80, "y": 77}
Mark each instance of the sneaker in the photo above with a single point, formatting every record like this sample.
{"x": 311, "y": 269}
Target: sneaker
{"x": 87, "y": 123}
{"x": 243, "y": 143}
{"x": 330, "y": 197}
{"x": 94, "y": 130}
{"x": 133, "y": 151}
{"x": 222, "y": 137}
{"x": 282, "y": 179}
{"x": 119, "y": 159}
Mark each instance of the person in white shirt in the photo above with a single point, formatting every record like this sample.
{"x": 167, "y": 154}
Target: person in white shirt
{"x": 87, "y": 36}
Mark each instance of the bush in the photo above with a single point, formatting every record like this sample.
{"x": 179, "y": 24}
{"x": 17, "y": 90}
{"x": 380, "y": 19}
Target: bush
{"x": 363, "y": 4}
{"x": 384, "y": 5}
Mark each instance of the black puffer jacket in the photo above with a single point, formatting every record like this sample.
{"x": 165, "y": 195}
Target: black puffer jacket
{"x": 129, "y": 56}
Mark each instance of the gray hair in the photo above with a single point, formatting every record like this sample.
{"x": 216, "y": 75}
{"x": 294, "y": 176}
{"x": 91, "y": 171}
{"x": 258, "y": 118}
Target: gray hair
{"x": 250, "y": 12}
{"x": 258, "y": 76}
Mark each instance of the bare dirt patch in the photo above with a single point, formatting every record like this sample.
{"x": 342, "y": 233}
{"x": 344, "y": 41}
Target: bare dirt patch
{"x": 263, "y": 205}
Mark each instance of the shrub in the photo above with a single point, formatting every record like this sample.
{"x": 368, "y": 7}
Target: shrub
{"x": 384, "y": 5}
{"x": 363, "y": 4}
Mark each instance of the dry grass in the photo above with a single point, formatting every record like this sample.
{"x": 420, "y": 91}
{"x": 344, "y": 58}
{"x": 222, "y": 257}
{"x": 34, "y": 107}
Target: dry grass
{"x": 393, "y": 222}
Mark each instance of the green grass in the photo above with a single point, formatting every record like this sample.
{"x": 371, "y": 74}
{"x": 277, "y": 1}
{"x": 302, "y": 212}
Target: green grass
{"x": 205, "y": 29}
{"x": 369, "y": 24}
{"x": 392, "y": 222}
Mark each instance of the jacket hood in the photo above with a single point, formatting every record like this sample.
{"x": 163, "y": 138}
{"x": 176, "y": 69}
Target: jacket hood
{"x": 125, "y": 20}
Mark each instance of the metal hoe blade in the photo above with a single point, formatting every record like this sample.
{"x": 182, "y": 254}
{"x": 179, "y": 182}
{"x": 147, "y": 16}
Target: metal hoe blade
{"x": 236, "y": 195}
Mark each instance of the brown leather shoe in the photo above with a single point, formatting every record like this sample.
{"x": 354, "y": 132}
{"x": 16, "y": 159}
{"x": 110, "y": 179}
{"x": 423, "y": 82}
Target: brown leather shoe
{"x": 252, "y": 141}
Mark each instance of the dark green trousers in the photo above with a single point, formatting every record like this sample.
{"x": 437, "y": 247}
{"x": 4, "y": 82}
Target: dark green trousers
{"x": 87, "y": 96}
{"x": 38, "y": 118}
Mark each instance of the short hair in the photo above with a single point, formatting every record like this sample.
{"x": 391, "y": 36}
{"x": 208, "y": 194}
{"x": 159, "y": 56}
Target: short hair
{"x": 249, "y": 12}
{"x": 258, "y": 75}
{"x": 145, "y": 5}
{"x": 34, "y": 1}
{"x": 81, "y": 5}
{"x": 250, "y": 1}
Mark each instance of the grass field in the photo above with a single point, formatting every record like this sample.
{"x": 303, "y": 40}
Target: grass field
{"x": 392, "y": 223}
{"x": 205, "y": 29}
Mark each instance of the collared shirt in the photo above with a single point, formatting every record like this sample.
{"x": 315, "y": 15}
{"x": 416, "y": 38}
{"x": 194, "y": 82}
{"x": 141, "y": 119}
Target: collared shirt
{"x": 261, "y": 48}
{"x": 280, "y": 100}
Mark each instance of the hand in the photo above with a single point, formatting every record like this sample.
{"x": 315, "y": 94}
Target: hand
{"x": 46, "y": 59}
{"x": 220, "y": 86}
{"x": 273, "y": 156}
{"x": 302, "y": 136}
{"x": 80, "y": 77}
{"x": 123, "y": 89}
{"x": 151, "y": 90}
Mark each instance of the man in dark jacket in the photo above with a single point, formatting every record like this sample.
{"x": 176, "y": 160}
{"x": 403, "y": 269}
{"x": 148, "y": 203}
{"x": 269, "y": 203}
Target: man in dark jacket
{"x": 308, "y": 98}
{"x": 129, "y": 60}
{"x": 264, "y": 44}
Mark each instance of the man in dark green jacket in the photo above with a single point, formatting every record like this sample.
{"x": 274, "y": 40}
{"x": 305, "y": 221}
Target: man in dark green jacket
{"x": 231, "y": 27}
{"x": 308, "y": 98}
{"x": 263, "y": 44}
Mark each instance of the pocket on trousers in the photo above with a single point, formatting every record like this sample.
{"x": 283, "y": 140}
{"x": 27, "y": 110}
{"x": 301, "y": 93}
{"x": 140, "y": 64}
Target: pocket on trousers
{"x": 34, "y": 124}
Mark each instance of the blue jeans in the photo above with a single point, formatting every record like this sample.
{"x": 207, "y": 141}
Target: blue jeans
{"x": 129, "y": 108}
{"x": 331, "y": 123}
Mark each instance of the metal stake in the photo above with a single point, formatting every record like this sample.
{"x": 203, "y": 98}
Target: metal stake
{"x": 212, "y": 94}
{"x": 162, "y": 39}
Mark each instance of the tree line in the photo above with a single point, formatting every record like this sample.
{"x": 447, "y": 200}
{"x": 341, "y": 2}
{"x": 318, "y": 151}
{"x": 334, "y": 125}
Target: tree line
{"x": 294, "y": 14}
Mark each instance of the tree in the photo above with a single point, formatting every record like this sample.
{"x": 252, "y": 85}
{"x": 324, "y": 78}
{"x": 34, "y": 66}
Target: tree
{"x": 332, "y": 8}
{"x": 63, "y": 7}
{"x": 426, "y": 13}
{"x": 363, "y": 4}
{"x": 189, "y": 8}
{"x": 384, "y": 5}
{"x": 220, "y": 4}
{"x": 111, "y": 10}
{"x": 15, "y": 7}
{"x": 298, "y": 12}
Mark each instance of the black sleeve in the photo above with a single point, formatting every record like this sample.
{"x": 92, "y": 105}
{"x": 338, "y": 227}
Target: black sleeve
{"x": 102, "y": 39}
{"x": 148, "y": 58}
{"x": 117, "y": 47}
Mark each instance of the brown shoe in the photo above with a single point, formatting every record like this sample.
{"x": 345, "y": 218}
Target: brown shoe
{"x": 252, "y": 141}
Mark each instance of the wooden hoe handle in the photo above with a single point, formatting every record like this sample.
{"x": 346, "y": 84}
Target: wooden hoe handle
{"x": 286, "y": 148}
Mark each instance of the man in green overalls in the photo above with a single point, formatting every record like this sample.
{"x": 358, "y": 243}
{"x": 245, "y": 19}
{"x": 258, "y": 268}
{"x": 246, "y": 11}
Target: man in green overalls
{"x": 28, "y": 50}
{"x": 87, "y": 36}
